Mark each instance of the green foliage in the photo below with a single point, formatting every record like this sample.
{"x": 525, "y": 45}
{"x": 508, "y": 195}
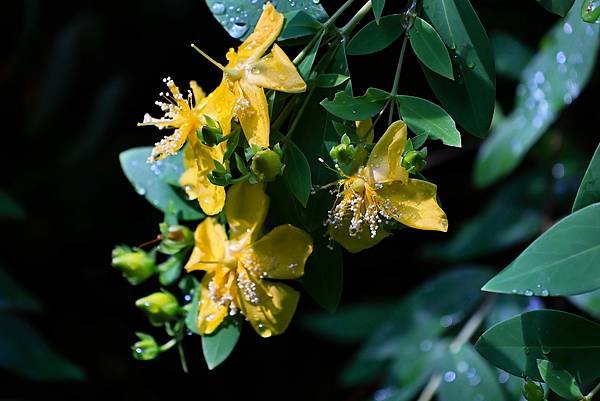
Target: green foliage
{"x": 378, "y": 6}
{"x": 559, "y": 380}
{"x": 25, "y": 352}
{"x": 147, "y": 182}
{"x": 567, "y": 269}
{"x": 568, "y": 340}
{"x": 560, "y": 7}
{"x": 511, "y": 55}
{"x": 239, "y": 17}
{"x": 375, "y": 36}
{"x": 217, "y": 346}
{"x": 14, "y": 297}
{"x": 590, "y": 11}
{"x": 324, "y": 275}
{"x": 429, "y": 48}
{"x": 426, "y": 118}
{"x": 357, "y": 108}
{"x": 552, "y": 79}
{"x": 299, "y": 24}
{"x": 589, "y": 190}
{"x": 297, "y": 173}
{"x": 470, "y": 97}
{"x": 588, "y": 302}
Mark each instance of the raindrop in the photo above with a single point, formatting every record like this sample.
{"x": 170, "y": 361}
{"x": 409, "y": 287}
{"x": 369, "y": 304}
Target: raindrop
{"x": 567, "y": 28}
{"x": 316, "y": 1}
{"x": 546, "y": 350}
{"x": 218, "y": 8}
{"x": 474, "y": 381}
{"x": 561, "y": 58}
{"x": 255, "y": 70}
{"x": 449, "y": 376}
{"x": 462, "y": 366}
{"x": 528, "y": 293}
{"x": 558, "y": 172}
{"x": 426, "y": 345}
{"x": 503, "y": 377}
{"x": 187, "y": 298}
{"x": 384, "y": 394}
{"x": 140, "y": 190}
{"x": 446, "y": 321}
{"x": 544, "y": 292}
{"x": 471, "y": 65}
{"x": 238, "y": 29}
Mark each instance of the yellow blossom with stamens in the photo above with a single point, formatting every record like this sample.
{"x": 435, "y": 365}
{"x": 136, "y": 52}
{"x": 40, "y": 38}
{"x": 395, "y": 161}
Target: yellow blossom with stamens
{"x": 382, "y": 190}
{"x": 248, "y": 73}
{"x": 240, "y": 267}
{"x": 185, "y": 114}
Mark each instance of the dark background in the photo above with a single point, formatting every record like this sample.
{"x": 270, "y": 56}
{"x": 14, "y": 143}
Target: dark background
{"x": 76, "y": 76}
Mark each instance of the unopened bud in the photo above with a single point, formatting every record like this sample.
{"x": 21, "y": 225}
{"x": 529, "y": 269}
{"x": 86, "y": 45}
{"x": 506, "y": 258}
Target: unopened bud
{"x": 342, "y": 153}
{"x": 533, "y": 391}
{"x": 146, "y": 349}
{"x": 160, "y": 307}
{"x": 414, "y": 160}
{"x": 136, "y": 265}
{"x": 175, "y": 238}
{"x": 266, "y": 165}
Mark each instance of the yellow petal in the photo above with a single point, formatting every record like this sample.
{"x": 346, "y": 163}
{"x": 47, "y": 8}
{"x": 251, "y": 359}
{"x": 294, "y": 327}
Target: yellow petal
{"x": 253, "y": 113}
{"x": 386, "y": 156}
{"x": 413, "y": 204}
{"x": 276, "y": 305}
{"x": 364, "y": 130}
{"x": 281, "y": 254}
{"x": 276, "y": 71}
{"x": 197, "y": 92}
{"x": 358, "y": 242}
{"x": 267, "y": 29}
{"x": 198, "y": 161}
{"x": 210, "y": 242}
{"x": 246, "y": 208}
{"x": 211, "y": 313}
{"x": 219, "y": 106}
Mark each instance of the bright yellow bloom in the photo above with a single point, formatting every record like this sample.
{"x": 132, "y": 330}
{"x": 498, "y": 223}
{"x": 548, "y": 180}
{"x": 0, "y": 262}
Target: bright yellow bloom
{"x": 186, "y": 115}
{"x": 248, "y": 72}
{"x": 237, "y": 267}
{"x": 381, "y": 190}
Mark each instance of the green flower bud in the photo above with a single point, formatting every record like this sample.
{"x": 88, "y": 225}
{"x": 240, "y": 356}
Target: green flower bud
{"x": 266, "y": 165}
{"x": 533, "y": 391}
{"x": 342, "y": 153}
{"x": 414, "y": 160}
{"x": 175, "y": 238}
{"x": 136, "y": 265}
{"x": 146, "y": 349}
{"x": 210, "y": 134}
{"x": 160, "y": 307}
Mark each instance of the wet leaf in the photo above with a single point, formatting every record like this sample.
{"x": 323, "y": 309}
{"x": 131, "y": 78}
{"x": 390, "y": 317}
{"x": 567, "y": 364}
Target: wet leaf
{"x": 560, "y": 7}
{"x": 324, "y": 275}
{"x": 511, "y": 55}
{"x": 589, "y": 190}
{"x": 217, "y": 346}
{"x": 297, "y": 172}
{"x": 429, "y": 48}
{"x": 357, "y": 108}
{"x": 426, "y": 118}
{"x": 375, "y": 37}
{"x": 559, "y": 380}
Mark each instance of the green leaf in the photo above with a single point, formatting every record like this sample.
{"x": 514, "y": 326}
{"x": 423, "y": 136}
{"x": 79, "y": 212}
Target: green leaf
{"x": 357, "y": 108}
{"x": 512, "y": 55}
{"x": 170, "y": 270}
{"x": 330, "y": 80}
{"x": 14, "y": 296}
{"x": 10, "y": 208}
{"x": 471, "y": 96}
{"x": 24, "y": 352}
{"x": 559, "y": 380}
{"x": 191, "y": 287}
{"x": 349, "y": 324}
{"x": 375, "y": 36}
{"x": 149, "y": 184}
{"x": 219, "y": 345}
{"x": 551, "y": 81}
{"x": 429, "y": 48}
{"x": 511, "y": 216}
{"x": 588, "y": 302}
{"x": 568, "y": 340}
{"x": 239, "y": 17}
{"x": 297, "y": 172}
{"x": 169, "y": 170}
{"x": 378, "y": 6}
{"x": 562, "y": 261}
{"x": 324, "y": 275}
{"x": 467, "y": 376}
{"x": 306, "y": 65}
{"x": 426, "y": 118}
{"x": 299, "y": 24}
{"x": 589, "y": 189}
{"x": 560, "y": 7}
{"x": 590, "y": 11}
{"x": 418, "y": 320}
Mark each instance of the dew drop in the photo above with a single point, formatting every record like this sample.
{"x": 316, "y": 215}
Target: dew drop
{"x": 238, "y": 29}
{"x": 426, "y": 345}
{"x": 140, "y": 190}
{"x": 561, "y": 58}
{"x": 449, "y": 376}
{"x": 218, "y": 8}
{"x": 503, "y": 377}
{"x": 528, "y": 293}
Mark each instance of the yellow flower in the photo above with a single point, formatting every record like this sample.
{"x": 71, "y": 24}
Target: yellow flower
{"x": 239, "y": 269}
{"x": 186, "y": 115}
{"x": 248, "y": 72}
{"x": 381, "y": 190}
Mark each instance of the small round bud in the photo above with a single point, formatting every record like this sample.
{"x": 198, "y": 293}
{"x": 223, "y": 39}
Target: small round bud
{"x": 533, "y": 391}
{"x": 342, "y": 153}
{"x": 175, "y": 238}
{"x": 160, "y": 307}
{"x": 413, "y": 161}
{"x": 358, "y": 186}
{"x": 146, "y": 349}
{"x": 266, "y": 165}
{"x": 136, "y": 265}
